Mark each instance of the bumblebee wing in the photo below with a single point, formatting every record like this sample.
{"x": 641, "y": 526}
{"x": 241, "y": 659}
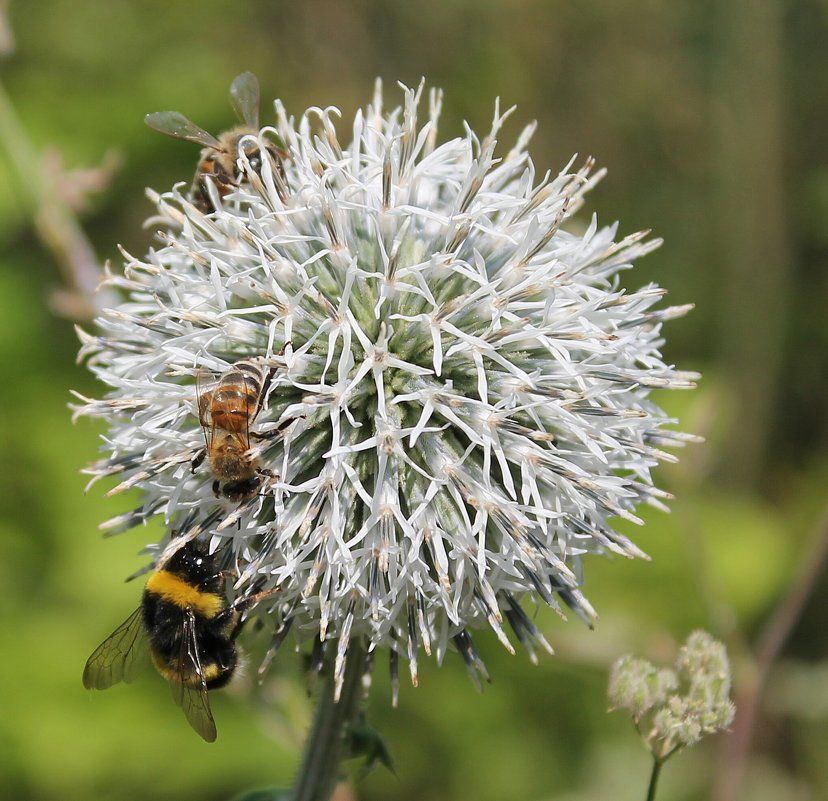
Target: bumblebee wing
{"x": 244, "y": 96}
{"x": 120, "y": 657}
{"x": 171, "y": 123}
{"x": 193, "y": 700}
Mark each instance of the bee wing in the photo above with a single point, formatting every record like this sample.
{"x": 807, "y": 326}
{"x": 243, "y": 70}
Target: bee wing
{"x": 194, "y": 701}
{"x": 171, "y": 123}
{"x": 251, "y": 410}
{"x": 204, "y": 398}
{"x": 120, "y": 656}
{"x": 244, "y": 96}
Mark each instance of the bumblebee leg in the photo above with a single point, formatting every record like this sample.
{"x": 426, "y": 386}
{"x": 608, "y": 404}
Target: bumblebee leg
{"x": 252, "y": 600}
{"x": 244, "y": 604}
{"x": 229, "y": 573}
{"x": 217, "y": 488}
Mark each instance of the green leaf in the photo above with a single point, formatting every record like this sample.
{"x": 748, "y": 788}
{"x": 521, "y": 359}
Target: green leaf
{"x": 363, "y": 740}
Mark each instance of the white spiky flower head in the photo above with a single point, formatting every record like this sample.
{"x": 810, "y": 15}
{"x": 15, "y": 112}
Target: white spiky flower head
{"x": 464, "y": 392}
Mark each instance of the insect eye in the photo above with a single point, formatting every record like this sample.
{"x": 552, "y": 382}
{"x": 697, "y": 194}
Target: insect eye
{"x": 255, "y": 162}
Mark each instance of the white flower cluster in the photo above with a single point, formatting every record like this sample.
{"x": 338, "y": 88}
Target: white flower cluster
{"x": 463, "y": 400}
{"x": 675, "y": 708}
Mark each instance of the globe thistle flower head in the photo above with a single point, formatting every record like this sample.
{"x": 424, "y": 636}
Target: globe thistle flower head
{"x": 459, "y": 402}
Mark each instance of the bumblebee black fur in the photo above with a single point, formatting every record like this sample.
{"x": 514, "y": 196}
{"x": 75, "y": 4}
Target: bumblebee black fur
{"x": 190, "y": 585}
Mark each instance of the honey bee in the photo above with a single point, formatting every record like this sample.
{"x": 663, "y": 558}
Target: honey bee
{"x": 226, "y": 414}
{"x": 189, "y": 630}
{"x": 219, "y": 156}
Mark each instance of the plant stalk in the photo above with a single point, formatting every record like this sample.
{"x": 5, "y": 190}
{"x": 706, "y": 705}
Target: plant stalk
{"x": 651, "y": 791}
{"x": 319, "y": 772}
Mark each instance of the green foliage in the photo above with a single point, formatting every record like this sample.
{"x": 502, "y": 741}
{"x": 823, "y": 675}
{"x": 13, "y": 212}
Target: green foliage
{"x": 364, "y": 742}
{"x": 271, "y": 794}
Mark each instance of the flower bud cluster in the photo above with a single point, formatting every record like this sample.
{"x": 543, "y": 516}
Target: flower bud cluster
{"x": 676, "y": 708}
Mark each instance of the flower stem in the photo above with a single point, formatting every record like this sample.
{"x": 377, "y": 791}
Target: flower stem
{"x": 319, "y": 773}
{"x": 651, "y": 791}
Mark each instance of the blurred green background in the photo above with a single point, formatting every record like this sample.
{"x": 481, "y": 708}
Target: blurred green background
{"x": 711, "y": 117}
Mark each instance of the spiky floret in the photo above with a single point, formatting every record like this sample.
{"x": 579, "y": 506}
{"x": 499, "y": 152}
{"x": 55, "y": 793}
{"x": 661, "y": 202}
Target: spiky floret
{"x": 468, "y": 381}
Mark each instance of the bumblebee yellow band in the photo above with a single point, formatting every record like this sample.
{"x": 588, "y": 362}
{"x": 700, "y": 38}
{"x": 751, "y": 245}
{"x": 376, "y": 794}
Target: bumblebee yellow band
{"x": 177, "y": 591}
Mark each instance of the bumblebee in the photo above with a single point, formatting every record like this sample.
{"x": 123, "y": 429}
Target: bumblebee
{"x": 218, "y": 162}
{"x": 189, "y": 630}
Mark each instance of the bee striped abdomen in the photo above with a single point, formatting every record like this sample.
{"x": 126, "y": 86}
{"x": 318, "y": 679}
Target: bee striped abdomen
{"x": 236, "y": 400}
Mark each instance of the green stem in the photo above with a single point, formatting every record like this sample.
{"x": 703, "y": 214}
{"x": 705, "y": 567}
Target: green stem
{"x": 651, "y": 791}
{"x": 319, "y": 773}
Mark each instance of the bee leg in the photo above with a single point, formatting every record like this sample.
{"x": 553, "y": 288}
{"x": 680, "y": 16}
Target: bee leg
{"x": 244, "y": 604}
{"x": 231, "y": 572}
{"x": 258, "y": 597}
{"x": 199, "y": 195}
{"x": 271, "y": 373}
{"x": 263, "y": 474}
{"x": 236, "y": 611}
{"x": 198, "y": 460}
{"x": 275, "y": 431}
{"x": 217, "y": 488}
